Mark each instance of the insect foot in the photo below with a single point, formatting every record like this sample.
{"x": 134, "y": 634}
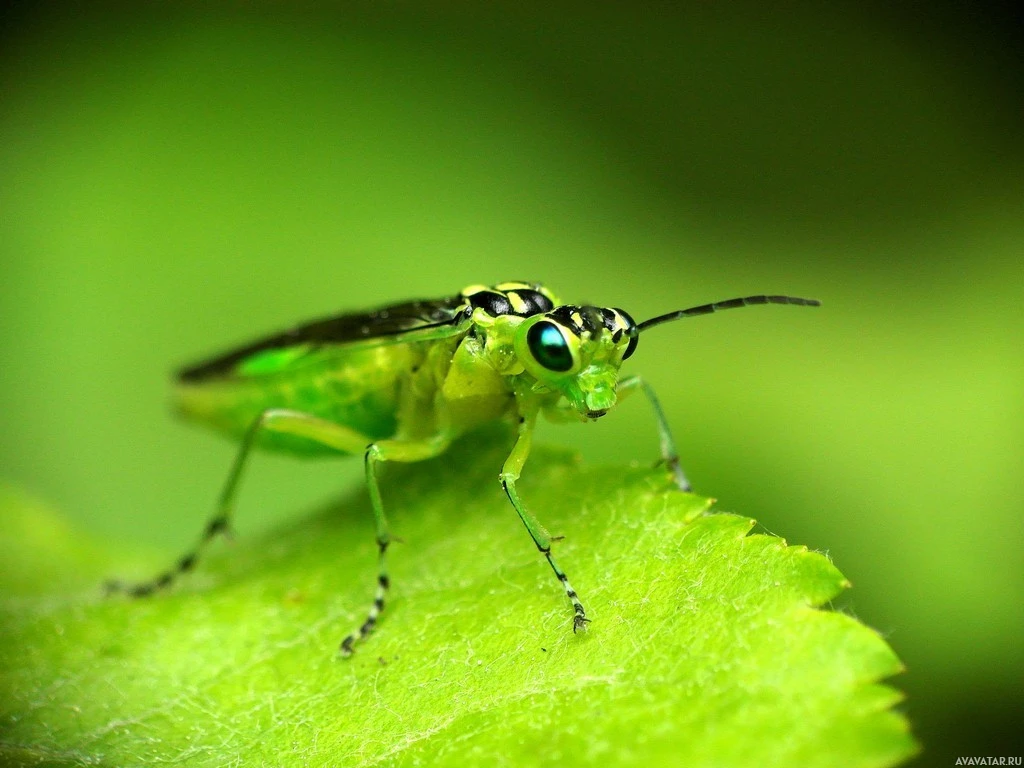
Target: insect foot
{"x": 113, "y": 587}
{"x": 579, "y": 623}
{"x": 345, "y": 649}
{"x": 347, "y": 646}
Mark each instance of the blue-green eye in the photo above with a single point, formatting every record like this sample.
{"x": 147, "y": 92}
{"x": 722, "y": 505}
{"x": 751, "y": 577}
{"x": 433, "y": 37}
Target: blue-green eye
{"x": 549, "y": 346}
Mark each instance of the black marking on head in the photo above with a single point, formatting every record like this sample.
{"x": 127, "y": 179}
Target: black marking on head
{"x": 568, "y": 316}
{"x": 610, "y": 319}
{"x": 630, "y": 329}
{"x": 633, "y": 339}
{"x": 593, "y": 319}
{"x": 587, "y": 319}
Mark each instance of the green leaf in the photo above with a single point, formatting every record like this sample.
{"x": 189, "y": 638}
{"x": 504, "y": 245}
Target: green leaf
{"x": 706, "y": 648}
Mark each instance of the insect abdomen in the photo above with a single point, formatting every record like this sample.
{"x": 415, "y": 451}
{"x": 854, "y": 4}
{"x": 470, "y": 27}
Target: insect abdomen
{"x": 357, "y": 388}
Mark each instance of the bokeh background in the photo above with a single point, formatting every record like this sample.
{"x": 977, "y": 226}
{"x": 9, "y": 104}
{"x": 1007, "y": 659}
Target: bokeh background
{"x": 171, "y": 185}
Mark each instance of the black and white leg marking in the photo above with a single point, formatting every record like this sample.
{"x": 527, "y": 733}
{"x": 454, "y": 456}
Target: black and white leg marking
{"x": 543, "y": 542}
{"x": 579, "y": 619}
{"x": 383, "y": 583}
{"x": 372, "y": 456}
{"x": 187, "y": 562}
{"x": 218, "y": 525}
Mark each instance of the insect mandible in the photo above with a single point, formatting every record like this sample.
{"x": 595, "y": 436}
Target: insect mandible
{"x": 401, "y": 382}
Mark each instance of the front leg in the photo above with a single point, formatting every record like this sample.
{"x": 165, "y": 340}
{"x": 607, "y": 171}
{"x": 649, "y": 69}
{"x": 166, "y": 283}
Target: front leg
{"x": 509, "y": 475}
{"x": 668, "y": 446}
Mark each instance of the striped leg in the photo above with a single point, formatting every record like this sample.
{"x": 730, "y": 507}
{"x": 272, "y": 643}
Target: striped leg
{"x": 335, "y": 436}
{"x": 386, "y": 450}
{"x": 509, "y": 475}
{"x": 220, "y": 523}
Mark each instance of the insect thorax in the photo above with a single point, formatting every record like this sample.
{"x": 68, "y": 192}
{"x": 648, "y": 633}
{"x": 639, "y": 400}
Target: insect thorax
{"x": 514, "y": 298}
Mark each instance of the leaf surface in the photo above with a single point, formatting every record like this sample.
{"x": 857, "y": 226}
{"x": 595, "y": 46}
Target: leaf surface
{"x": 707, "y": 645}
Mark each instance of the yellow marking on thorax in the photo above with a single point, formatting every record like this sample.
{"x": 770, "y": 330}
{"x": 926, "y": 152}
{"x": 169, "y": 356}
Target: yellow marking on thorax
{"x": 518, "y": 305}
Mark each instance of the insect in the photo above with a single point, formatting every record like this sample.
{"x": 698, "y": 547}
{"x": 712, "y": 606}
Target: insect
{"x": 399, "y": 383}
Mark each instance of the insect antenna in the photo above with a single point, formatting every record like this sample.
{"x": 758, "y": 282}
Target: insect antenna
{"x": 707, "y": 309}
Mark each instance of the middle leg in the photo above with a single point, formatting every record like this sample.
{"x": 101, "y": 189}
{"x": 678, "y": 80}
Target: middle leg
{"x": 386, "y": 450}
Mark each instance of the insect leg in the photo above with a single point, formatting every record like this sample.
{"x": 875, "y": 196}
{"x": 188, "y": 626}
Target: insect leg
{"x": 668, "y": 446}
{"x": 277, "y": 420}
{"x": 218, "y": 524}
{"x": 509, "y": 475}
{"x": 386, "y": 450}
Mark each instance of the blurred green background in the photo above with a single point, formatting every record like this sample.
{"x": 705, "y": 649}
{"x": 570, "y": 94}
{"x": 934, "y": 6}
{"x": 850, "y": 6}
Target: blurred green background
{"x": 174, "y": 185}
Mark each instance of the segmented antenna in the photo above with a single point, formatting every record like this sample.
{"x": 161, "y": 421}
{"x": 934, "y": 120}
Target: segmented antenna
{"x": 707, "y": 309}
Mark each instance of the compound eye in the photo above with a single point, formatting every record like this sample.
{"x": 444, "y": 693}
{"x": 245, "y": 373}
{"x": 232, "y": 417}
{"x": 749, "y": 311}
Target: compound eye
{"x": 549, "y": 346}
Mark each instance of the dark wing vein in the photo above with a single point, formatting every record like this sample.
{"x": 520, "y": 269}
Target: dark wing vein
{"x": 385, "y": 321}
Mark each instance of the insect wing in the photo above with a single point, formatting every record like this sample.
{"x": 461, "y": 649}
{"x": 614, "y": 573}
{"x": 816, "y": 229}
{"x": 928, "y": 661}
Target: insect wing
{"x": 392, "y": 324}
